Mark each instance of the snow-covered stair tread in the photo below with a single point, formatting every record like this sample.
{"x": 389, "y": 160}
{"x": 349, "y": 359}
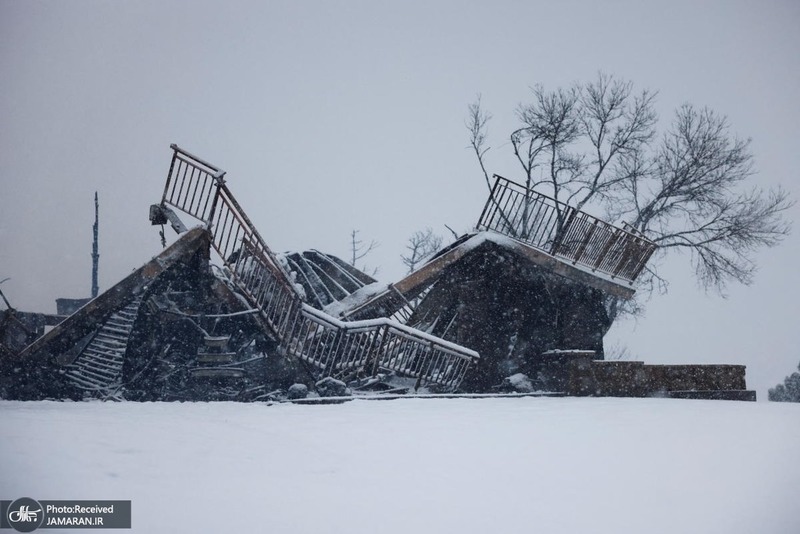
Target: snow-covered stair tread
{"x": 99, "y": 365}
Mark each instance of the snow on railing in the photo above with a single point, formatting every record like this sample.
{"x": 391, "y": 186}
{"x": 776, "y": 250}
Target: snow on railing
{"x": 333, "y": 346}
{"x": 563, "y": 231}
{"x": 338, "y": 347}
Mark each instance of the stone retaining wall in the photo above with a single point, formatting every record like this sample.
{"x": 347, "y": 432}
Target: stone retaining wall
{"x": 586, "y": 377}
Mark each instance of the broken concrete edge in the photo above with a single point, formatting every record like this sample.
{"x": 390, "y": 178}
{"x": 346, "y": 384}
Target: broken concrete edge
{"x": 77, "y": 325}
{"x": 541, "y": 258}
{"x": 558, "y": 266}
{"x": 413, "y": 284}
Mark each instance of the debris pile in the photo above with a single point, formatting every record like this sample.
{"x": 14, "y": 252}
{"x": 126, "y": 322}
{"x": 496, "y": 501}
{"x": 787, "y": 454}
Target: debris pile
{"x": 514, "y": 307}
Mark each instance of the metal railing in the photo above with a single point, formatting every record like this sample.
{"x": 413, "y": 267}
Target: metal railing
{"x": 564, "y": 232}
{"x": 431, "y": 359}
{"x": 338, "y": 347}
{"x": 190, "y": 184}
{"x": 333, "y": 346}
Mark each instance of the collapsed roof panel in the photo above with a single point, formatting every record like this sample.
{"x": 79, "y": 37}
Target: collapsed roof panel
{"x": 325, "y": 278}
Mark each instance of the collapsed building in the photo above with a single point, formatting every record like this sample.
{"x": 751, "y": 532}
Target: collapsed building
{"x": 518, "y": 305}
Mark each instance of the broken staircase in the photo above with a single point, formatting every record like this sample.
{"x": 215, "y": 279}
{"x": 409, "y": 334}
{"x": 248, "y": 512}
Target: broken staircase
{"x": 334, "y": 347}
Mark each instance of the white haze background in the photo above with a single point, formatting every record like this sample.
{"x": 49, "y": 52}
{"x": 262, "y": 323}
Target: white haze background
{"x": 333, "y": 116}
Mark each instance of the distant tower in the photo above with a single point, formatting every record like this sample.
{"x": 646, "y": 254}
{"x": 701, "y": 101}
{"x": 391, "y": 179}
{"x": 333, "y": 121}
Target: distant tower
{"x": 95, "y": 254}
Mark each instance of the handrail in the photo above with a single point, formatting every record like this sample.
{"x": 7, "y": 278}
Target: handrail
{"x": 401, "y": 328}
{"x": 564, "y": 232}
{"x": 217, "y": 170}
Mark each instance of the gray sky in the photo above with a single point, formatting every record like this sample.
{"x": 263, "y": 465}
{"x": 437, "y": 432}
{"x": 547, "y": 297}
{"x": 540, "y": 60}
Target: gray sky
{"x": 333, "y": 116}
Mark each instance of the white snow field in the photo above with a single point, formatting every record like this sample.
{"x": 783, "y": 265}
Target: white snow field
{"x": 544, "y": 465}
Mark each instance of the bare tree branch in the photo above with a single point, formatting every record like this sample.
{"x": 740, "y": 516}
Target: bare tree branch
{"x": 696, "y": 201}
{"x": 594, "y": 145}
{"x": 421, "y": 245}
{"x": 453, "y": 232}
{"x": 359, "y": 250}
{"x": 477, "y": 121}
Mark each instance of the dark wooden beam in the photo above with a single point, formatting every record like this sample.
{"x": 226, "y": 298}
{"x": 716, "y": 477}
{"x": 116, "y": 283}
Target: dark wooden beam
{"x": 87, "y": 318}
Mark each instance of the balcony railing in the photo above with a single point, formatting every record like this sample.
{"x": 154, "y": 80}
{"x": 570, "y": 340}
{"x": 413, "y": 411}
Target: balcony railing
{"x": 564, "y": 232}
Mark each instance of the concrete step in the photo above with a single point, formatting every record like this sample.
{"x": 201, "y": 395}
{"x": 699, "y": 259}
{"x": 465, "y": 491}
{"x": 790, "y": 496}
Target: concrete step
{"x": 100, "y": 365}
{"x": 98, "y": 353}
{"x": 103, "y": 377}
{"x": 723, "y": 394}
{"x": 217, "y": 372}
{"x": 83, "y": 382}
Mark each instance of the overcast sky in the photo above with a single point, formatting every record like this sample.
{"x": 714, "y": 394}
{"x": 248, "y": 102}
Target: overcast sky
{"x": 334, "y": 116}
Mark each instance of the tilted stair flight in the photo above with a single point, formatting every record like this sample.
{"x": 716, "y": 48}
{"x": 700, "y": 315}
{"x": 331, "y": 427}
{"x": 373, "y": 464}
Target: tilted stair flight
{"x": 99, "y": 366}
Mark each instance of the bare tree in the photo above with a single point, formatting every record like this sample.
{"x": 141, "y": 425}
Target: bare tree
{"x": 692, "y": 195}
{"x": 789, "y": 391}
{"x": 594, "y": 145}
{"x": 421, "y": 245}
{"x": 477, "y": 125}
{"x": 359, "y": 250}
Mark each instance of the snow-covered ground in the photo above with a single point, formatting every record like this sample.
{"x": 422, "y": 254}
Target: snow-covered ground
{"x": 445, "y": 466}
